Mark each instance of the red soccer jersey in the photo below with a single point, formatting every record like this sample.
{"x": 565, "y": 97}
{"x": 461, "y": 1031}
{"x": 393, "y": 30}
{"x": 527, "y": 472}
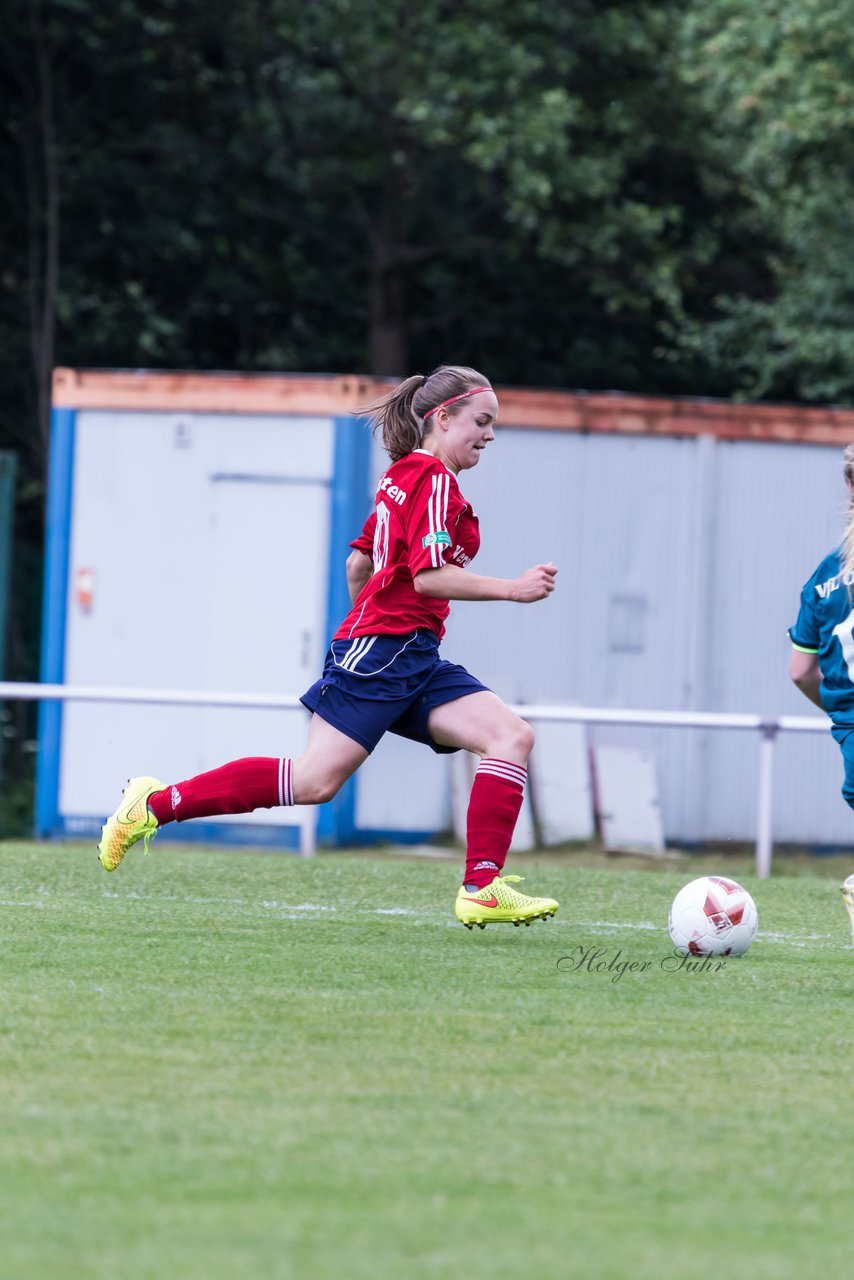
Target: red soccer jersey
{"x": 422, "y": 521}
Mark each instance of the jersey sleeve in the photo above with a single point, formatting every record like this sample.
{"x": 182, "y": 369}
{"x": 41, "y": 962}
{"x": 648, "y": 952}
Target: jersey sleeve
{"x": 805, "y": 635}
{"x": 432, "y": 518}
{"x": 365, "y": 540}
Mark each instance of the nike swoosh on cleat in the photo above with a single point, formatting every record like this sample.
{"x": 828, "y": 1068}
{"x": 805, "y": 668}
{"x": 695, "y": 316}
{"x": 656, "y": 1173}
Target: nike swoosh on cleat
{"x": 485, "y": 902}
{"x": 124, "y": 818}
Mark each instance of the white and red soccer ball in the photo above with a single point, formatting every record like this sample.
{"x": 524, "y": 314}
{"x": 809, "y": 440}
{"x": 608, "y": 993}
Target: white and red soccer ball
{"x": 713, "y": 916}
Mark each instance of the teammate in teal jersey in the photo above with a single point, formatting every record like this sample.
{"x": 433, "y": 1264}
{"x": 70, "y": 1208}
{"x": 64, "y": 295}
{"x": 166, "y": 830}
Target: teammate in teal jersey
{"x": 822, "y": 661}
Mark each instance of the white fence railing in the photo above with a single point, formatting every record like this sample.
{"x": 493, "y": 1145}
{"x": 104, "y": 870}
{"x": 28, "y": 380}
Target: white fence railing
{"x": 767, "y": 729}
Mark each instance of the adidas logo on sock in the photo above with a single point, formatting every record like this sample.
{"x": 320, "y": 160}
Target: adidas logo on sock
{"x": 175, "y": 798}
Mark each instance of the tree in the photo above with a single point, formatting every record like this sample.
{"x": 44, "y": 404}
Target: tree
{"x": 30, "y": 281}
{"x": 444, "y": 134}
{"x": 779, "y": 80}
{"x": 339, "y": 184}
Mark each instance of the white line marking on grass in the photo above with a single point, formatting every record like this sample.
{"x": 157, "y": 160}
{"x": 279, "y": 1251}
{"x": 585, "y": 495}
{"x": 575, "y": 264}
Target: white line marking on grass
{"x": 297, "y": 906}
{"x": 610, "y": 925}
{"x": 799, "y": 940}
{"x": 305, "y": 911}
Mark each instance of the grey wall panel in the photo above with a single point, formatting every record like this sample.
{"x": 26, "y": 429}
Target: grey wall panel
{"x": 604, "y": 509}
{"x": 618, "y": 516}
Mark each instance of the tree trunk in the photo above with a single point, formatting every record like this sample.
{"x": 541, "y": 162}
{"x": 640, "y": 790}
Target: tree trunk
{"x": 389, "y": 347}
{"x": 44, "y": 223}
{"x": 388, "y": 338}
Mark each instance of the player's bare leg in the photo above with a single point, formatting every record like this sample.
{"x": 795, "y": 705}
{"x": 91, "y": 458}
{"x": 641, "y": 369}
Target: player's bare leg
{"x": 329, "y": 759}
{"x": 481, "y": 723}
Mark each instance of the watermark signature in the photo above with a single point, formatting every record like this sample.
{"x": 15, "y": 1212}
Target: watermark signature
{"x": 616, "y": 964}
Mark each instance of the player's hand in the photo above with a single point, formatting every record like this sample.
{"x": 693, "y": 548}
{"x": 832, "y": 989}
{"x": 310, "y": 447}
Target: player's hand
{"x": 535, "y": 584}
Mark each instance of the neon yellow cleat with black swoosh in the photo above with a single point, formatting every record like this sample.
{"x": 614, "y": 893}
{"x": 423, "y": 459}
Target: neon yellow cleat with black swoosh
{"x": 132, "y": 821}
{"x": 500, "y": 903}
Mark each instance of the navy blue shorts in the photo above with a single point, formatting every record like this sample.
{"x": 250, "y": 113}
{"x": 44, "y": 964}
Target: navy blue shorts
{"x": 377, "y": 684}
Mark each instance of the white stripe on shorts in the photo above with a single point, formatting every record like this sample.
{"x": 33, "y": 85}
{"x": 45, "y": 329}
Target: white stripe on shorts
{"x": 354, "y": 655}
{"x": 350, "y": 660}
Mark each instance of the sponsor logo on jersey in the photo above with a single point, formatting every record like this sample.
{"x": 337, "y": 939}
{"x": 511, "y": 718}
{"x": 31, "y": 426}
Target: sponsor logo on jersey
{"x": 391, "y": 491}
{"x": 824, "y": 588}
{"x": 459, "y": 557}
{"x": 442, "y": 538}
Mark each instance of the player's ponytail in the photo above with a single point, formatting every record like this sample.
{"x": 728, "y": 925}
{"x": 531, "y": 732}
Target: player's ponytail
{"x": 846, "y": 549}
{"x": 399, "y": 416}
{"x": 394, "y": 417}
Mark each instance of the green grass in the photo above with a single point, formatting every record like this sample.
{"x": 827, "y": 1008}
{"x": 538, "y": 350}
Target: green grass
{"x": 220, "y": 1065}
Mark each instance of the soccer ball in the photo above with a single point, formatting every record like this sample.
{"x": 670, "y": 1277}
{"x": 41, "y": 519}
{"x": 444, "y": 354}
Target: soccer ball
{"x": 712, "y": 916}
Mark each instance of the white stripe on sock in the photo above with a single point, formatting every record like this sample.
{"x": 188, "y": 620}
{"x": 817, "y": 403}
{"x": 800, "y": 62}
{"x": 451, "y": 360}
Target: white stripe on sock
{"x": 513, "y": 773}
{"x": 504, "y": 764}
{"x": 504, "y": 773}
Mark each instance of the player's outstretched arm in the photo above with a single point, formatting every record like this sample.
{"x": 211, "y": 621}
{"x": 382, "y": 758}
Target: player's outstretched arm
{"x": 450, "y": 582}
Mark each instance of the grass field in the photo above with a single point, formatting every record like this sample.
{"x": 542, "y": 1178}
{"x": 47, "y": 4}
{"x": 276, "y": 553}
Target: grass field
{"x": 224, "y": 1065}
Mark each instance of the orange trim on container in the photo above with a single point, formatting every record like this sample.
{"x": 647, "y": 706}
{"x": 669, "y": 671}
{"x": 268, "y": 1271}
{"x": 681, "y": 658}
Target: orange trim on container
{"x": 157, "y": 392}
{"x": 151, "y": 391}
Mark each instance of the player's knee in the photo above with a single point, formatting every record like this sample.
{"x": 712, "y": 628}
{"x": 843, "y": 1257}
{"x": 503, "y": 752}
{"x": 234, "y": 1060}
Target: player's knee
{"x": 513, "y": 738}
{"x": 316, "y": 788}
{"x": 324, "y": 789}
{"x": 526, "y": 737}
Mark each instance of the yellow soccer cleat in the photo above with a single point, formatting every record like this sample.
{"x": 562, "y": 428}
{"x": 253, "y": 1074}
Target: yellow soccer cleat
{"x": 130, "y": 822}
{"x": 848, "y": 899}
{"x": 498, "y": 903}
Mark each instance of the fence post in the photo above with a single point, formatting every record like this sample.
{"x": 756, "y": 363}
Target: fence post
{"x": 764, "y": 834}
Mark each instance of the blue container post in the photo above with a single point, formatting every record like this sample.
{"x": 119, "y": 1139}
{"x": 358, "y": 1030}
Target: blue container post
{"x": 54, "y": 612}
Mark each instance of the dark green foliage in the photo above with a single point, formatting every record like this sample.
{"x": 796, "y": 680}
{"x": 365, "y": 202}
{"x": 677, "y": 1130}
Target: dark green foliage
{"x": 339, "y": 186}
{"x": 778, "y": 80}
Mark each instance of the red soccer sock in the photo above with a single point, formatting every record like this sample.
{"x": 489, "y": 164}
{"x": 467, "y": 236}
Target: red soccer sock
{"x": 255, "y": 782}
{"x": 494, "y": 804}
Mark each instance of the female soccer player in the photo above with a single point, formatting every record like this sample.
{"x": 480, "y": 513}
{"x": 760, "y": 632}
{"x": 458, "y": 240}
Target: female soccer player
{"x": 822, "y": 661}
{"x": 383, "y": 671}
